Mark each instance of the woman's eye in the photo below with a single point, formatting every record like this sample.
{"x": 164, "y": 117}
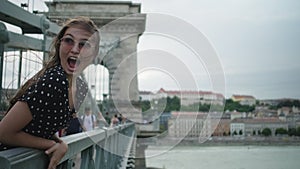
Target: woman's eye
{"x": 69, "y": 41}
{"x": 85, "y": 44}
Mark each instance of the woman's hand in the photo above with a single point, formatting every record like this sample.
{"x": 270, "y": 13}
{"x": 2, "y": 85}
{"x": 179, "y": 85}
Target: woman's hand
{"x": 57, "y": 152}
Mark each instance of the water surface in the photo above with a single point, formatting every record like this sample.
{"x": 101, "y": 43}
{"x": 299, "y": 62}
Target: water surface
{"x": 225, "y": 157}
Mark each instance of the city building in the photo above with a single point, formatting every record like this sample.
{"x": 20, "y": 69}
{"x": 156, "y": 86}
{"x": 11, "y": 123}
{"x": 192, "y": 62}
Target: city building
{"x": 146, "y": 95}
{"x": 237, "y": 115}
{"x": 254, "y": 126}
{"x": 284, "y": 110}
{"x": 244, "y": 99}
{"x": 186, "y": 97}
{"x": 193, "y": 125}
{"x": 269, "y": 102}
{"x": 223, "y": 128}
{"x": 293, "y": 120}
{"x": 264, "y": 111}
{"x": 186, "y": 124}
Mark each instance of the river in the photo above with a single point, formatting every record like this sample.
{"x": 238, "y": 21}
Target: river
{"x": 224, "y": 157}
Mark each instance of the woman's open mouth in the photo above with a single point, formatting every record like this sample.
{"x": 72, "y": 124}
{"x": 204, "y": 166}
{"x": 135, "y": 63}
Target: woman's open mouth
{"x": 73, "y": 62}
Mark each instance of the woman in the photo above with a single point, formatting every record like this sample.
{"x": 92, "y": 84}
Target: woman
{"x": 45, "y": 103}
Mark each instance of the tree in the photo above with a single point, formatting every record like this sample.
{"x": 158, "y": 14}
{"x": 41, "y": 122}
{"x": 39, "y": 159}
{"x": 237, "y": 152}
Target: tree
{"x": 145, "y": 105}
{"x": 298, "y": 131}
{"x": 173, "y": 104}
{"x": 204, "y": 107}
{"x": 289, "y": 103}
{"x": 281, "y": 131}
{"x": 176, "y": 104}
{"x": 232, "y": 105}
{"x": 266, "y": 132}
{"x": 292, "y": 132}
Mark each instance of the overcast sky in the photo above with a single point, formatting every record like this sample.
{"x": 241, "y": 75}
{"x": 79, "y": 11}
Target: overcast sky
{"x": 257, "y": 43}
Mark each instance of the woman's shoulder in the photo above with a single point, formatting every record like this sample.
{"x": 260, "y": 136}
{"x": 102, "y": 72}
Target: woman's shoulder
{"x": 55, "y": 71}
{"x": 54, "y": 75}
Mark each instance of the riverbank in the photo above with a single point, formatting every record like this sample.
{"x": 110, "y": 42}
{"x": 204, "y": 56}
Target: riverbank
{"x": 246, "y": 141}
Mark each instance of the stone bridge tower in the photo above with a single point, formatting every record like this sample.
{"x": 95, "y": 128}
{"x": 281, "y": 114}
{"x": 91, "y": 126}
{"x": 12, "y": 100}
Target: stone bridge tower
{"x": 121, "y": 24}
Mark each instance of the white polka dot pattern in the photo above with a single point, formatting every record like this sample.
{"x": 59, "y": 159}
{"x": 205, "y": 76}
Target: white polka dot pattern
{"x": 49, "y": 103}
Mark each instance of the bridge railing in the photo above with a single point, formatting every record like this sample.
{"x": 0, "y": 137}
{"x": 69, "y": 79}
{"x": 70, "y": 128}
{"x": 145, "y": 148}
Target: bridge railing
{"x": 101, "y": 148}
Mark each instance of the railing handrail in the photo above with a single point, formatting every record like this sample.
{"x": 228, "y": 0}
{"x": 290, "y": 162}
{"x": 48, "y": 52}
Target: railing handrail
{"x": 28, "y": 22}
{"x": 22, "y": 157}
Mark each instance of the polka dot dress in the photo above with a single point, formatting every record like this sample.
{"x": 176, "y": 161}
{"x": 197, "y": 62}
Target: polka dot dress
{"x": 49, "y": 103}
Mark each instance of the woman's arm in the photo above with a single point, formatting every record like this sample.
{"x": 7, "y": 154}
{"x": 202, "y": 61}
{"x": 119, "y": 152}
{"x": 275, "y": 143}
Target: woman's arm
{"x": 11, "y": 129}
{"x": 11, "y": 134}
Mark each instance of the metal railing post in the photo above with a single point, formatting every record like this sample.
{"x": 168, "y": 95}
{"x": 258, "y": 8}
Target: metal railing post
{"x": 87, "y": 161}
{"x": 3, "y": 39}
